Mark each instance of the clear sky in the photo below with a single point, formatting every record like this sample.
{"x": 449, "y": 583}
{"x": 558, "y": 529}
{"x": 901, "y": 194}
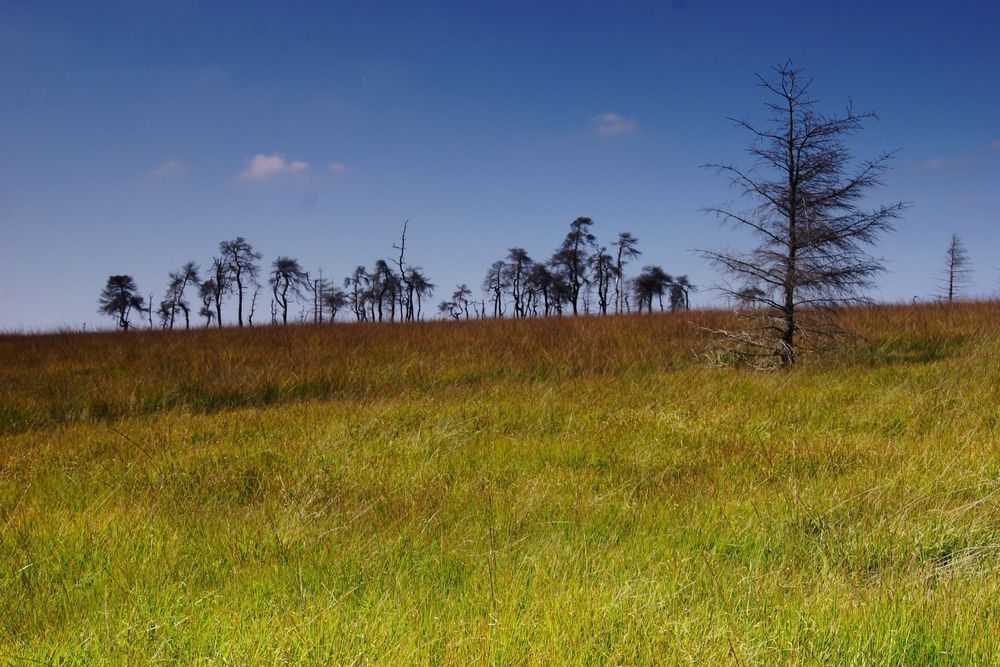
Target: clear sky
{"x": 136, "y": 135}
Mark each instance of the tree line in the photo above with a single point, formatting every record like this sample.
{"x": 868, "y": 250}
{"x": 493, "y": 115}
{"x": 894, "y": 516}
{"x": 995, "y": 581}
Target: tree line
{"x": 805, "y": 202}
{"x": 581, "y": 277}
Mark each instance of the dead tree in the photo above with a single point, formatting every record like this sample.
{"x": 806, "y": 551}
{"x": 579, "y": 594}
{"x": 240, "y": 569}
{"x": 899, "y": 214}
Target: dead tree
{"x": 957, "y": 270}
{"x": 808, "y": 219}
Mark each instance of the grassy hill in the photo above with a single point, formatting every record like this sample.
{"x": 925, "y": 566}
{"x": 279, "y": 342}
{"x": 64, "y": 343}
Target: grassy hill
{"x": 541, "y": 492}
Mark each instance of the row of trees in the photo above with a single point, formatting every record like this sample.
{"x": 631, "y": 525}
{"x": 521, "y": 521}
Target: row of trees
{"x": 806, "y": 207}
{"x": 580, "y": 277}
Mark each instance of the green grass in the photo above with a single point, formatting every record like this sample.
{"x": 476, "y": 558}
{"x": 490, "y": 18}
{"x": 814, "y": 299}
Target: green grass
{"x": 559, "y": 492}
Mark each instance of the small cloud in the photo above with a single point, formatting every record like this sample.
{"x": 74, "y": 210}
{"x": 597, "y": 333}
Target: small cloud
{"x": 337, "y": 167}
{"x": 264, "y": 167}
{"x": 994, "y": 145}
{"x": 612, "y": 124}
{"x": 933, "y": 163}
{"x": 172, "y": 167}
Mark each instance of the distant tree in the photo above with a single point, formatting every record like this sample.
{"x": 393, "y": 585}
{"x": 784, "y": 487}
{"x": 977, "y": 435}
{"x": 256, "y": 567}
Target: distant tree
{"x": 119, "y": 298}
{"x": 627, "y": 247}
{"x": 680, "y": 297}
{"x": 383, "y": 284}
{"x": 603, "y": 269}
{"x": 242, "y": 269}
{"x": 561, "y": 290}
{"x": 495, "y": 286}
{"x": 357, "y": 285}
{"x": 652, "y": 282}
{"x": 220, "y": 284}
{"x": 419, "y": 287}
{"x": 460, "y": 297}
{"x": 536, "y": 286}
{"x": 515, "y": 277}
{"x": 175, "y": 299}
{"x": 288, "y": 280}
{"x": 334, "y": 300}
{"x": 812, "y": 232}
{"x": 206, "y": 292}
{"x": 572, "y": 256}
{"x": 957, "y": 270}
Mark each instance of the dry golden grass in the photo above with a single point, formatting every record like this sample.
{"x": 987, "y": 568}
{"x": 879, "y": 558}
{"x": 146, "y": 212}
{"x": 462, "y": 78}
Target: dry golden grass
{"x": 538, "y": 492}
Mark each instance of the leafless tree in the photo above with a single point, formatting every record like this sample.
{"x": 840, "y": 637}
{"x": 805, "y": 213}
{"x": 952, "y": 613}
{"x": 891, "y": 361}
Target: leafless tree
{"x": 808, "y": 218}
{"x": 240, "y": 260}
{"x": 957, "y": 270}
{"x": 119, "y": 298}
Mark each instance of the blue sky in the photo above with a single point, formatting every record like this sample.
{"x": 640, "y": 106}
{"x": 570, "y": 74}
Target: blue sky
{"x": 137, "y": 135}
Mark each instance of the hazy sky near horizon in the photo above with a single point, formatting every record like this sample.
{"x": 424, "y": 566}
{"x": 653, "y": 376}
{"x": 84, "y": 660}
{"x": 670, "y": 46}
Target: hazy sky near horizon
{"x": 137, "y": 135}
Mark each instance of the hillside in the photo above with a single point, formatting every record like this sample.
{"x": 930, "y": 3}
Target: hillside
{"x": 541, "y": 492}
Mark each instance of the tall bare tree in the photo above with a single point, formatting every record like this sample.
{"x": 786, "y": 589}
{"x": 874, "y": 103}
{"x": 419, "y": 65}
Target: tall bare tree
{"x": 119, "y": 298}
{"x": 241, "y": 268}
{"x": 808, "y": 219}
{"x": 957, "y": 270}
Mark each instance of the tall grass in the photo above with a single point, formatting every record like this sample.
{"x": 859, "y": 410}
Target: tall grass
{"x": 559, "y": 491}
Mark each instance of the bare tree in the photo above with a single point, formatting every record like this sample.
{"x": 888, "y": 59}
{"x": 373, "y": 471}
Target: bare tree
{"x": 119, "y": 298}
{"x": 240, "y": 260}
{"x": 812, "y": 232}
{"x": 287, "y": 280}
{"x": 957, "y": 270}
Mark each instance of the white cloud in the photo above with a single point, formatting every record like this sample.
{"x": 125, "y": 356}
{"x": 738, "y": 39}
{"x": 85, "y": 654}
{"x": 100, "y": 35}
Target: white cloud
{"x": 172, "y": 167}
{"x": 338, "y": 167}
{"x": 612, "y": 124}
{"x": 265, "y": 167}
{"x": 933, "y": 163}
{"x": 995, "y": 144}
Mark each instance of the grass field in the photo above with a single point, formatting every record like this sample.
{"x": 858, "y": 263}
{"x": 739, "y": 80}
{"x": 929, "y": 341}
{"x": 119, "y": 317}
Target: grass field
{"x": 567, "y": 491}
